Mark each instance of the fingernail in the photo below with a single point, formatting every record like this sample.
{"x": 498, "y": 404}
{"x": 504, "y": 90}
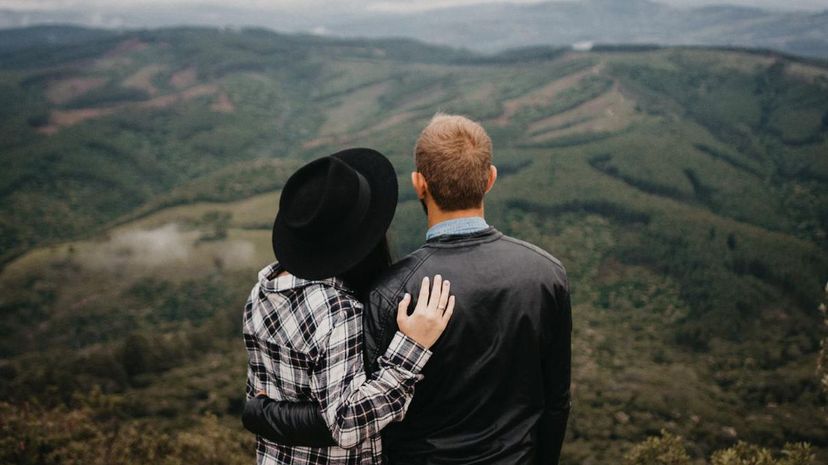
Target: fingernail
{"x": 407, "y": 296}
{"x": 445, "y": 283}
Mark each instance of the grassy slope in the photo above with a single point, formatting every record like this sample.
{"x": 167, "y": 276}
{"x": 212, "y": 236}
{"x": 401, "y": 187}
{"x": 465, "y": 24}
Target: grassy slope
{"x": 684, "y": 189}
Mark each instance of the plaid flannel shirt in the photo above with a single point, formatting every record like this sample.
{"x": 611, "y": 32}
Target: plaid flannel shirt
{"x": 304, "y": 343}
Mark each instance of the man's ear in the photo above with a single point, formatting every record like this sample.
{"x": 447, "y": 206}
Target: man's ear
{"x": 419, "y": 183}
{"x": 492, "y": 178}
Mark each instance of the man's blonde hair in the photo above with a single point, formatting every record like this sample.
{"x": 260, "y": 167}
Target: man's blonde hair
{"x": 454, "y": 155}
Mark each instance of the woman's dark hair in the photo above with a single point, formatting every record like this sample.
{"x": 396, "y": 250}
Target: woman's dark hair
{"x": 362, "y": 275}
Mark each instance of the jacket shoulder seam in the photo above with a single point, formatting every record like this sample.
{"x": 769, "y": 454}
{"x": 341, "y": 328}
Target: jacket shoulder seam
{"x": 421, "y": 260}
{"x": 390, "y": 306}
{"x": 536, "y": 250}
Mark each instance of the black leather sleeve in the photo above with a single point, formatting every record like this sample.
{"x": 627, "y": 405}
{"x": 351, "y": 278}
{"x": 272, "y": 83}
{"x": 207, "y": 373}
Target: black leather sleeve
{"x": 379, "y": 326}
{"x": 556, "y": 376}
{"x": 287, "y": 423}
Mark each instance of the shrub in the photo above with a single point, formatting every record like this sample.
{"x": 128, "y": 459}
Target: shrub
{"x": 749, "y": 454}
{"x": 668, "y": 449}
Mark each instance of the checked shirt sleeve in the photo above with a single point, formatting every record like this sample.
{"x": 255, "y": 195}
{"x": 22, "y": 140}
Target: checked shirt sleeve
{"x": 356, "y": 408}
{"x": 256, "y": 370}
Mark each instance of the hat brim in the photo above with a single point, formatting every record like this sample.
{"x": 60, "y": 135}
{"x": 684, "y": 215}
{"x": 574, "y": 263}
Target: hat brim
{"x": 335, "y": 252}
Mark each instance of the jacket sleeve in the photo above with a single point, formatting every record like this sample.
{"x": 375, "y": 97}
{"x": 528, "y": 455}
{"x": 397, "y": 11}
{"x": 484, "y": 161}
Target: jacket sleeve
{"x": 556, "y": 378}
{"x": 287, "y": 423}
{"x": 379, "y": 327}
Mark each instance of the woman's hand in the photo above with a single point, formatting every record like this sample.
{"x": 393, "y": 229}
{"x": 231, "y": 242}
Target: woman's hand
{"x": 431, "y": 315}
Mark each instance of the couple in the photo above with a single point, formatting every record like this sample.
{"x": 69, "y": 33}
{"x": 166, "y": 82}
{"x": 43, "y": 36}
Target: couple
{"x": 335, "y": 352}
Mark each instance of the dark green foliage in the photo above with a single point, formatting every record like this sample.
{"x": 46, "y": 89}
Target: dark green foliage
{"x": 38, "y": 120}
{"x": 609, "y": 210}
{"x": 92, "y": 434}
{"x": 625, "y": 47}
{"x": 15, "y": 40}
{"x": 655, "y": 186}
{"x": 135, "y": 354}
{"x": 195, "y": 300}
{"x": 39, "y": 54}
{"x": 729, "y": 159}
{"x": 106, "y": 96}
{"x": 520, "y": 55}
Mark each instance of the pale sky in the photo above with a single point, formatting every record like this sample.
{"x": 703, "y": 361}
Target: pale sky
{"x": 355, "y": 5}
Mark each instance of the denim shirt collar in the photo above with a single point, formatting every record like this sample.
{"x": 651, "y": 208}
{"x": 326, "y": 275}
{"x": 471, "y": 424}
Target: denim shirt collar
{"x": 468, "y": 225}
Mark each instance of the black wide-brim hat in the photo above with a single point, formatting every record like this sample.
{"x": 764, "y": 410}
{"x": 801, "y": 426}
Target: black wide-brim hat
{"x": 333, "y": 212}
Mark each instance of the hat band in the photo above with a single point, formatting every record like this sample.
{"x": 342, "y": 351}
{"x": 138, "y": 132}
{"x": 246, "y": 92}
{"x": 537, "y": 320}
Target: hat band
{"x": 360, "y": 207}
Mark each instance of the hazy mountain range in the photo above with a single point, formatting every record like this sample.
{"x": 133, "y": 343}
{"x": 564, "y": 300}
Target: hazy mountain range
{"x": 487, "y": 27}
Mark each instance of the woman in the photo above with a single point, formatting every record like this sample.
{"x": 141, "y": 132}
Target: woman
{"x": 303, "y": 320}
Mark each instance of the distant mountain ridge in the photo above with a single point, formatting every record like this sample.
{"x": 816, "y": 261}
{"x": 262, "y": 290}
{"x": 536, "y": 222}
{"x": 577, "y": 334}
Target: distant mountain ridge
{"x": 496, "y": 26}
{"x": 493, "y": 27}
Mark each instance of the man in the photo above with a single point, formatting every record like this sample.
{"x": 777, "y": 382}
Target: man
{"x": 496, "y": 389}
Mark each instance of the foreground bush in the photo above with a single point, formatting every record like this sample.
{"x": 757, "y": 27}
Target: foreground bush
{"x": 668, "y": 449}
{"x": 30, "y": 435}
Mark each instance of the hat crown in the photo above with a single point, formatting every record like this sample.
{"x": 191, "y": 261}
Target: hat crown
{"x": 326, "y": 196}
{"x": 333, "y": 212}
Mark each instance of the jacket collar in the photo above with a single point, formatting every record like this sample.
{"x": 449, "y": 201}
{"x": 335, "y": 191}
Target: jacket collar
{"x": 460, "y": 240}
{"x": 464, "y": 225}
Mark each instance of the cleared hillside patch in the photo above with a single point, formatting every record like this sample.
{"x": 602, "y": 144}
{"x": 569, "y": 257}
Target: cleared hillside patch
{"x": 609, "y": 112}
{"x": 65, "y": 90}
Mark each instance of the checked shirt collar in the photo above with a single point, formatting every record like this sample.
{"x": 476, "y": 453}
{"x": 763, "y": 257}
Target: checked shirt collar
{"x": 269, "y": 280}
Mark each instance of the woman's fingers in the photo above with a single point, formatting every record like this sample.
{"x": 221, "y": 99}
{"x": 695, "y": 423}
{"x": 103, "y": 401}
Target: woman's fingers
{"x": 402, "y": 309}
{"x": 423, "y": 299}
{"x": 444, "y": 297}
{"x": 431, "y": 315}
{"x": 435, "y": 292}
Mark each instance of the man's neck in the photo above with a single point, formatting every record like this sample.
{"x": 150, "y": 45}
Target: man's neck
{"x": 436, "y": 216}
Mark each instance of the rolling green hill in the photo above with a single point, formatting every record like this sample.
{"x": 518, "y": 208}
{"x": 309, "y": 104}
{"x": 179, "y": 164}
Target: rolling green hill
{"x": 684, "y": 188}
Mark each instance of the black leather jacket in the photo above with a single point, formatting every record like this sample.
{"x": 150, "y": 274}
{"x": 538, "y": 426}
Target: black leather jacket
{"x": 496, "y": 390}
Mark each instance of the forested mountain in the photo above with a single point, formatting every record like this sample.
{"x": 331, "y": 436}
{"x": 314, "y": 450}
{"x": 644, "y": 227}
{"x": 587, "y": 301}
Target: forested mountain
{"x": 683, "y": 188}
